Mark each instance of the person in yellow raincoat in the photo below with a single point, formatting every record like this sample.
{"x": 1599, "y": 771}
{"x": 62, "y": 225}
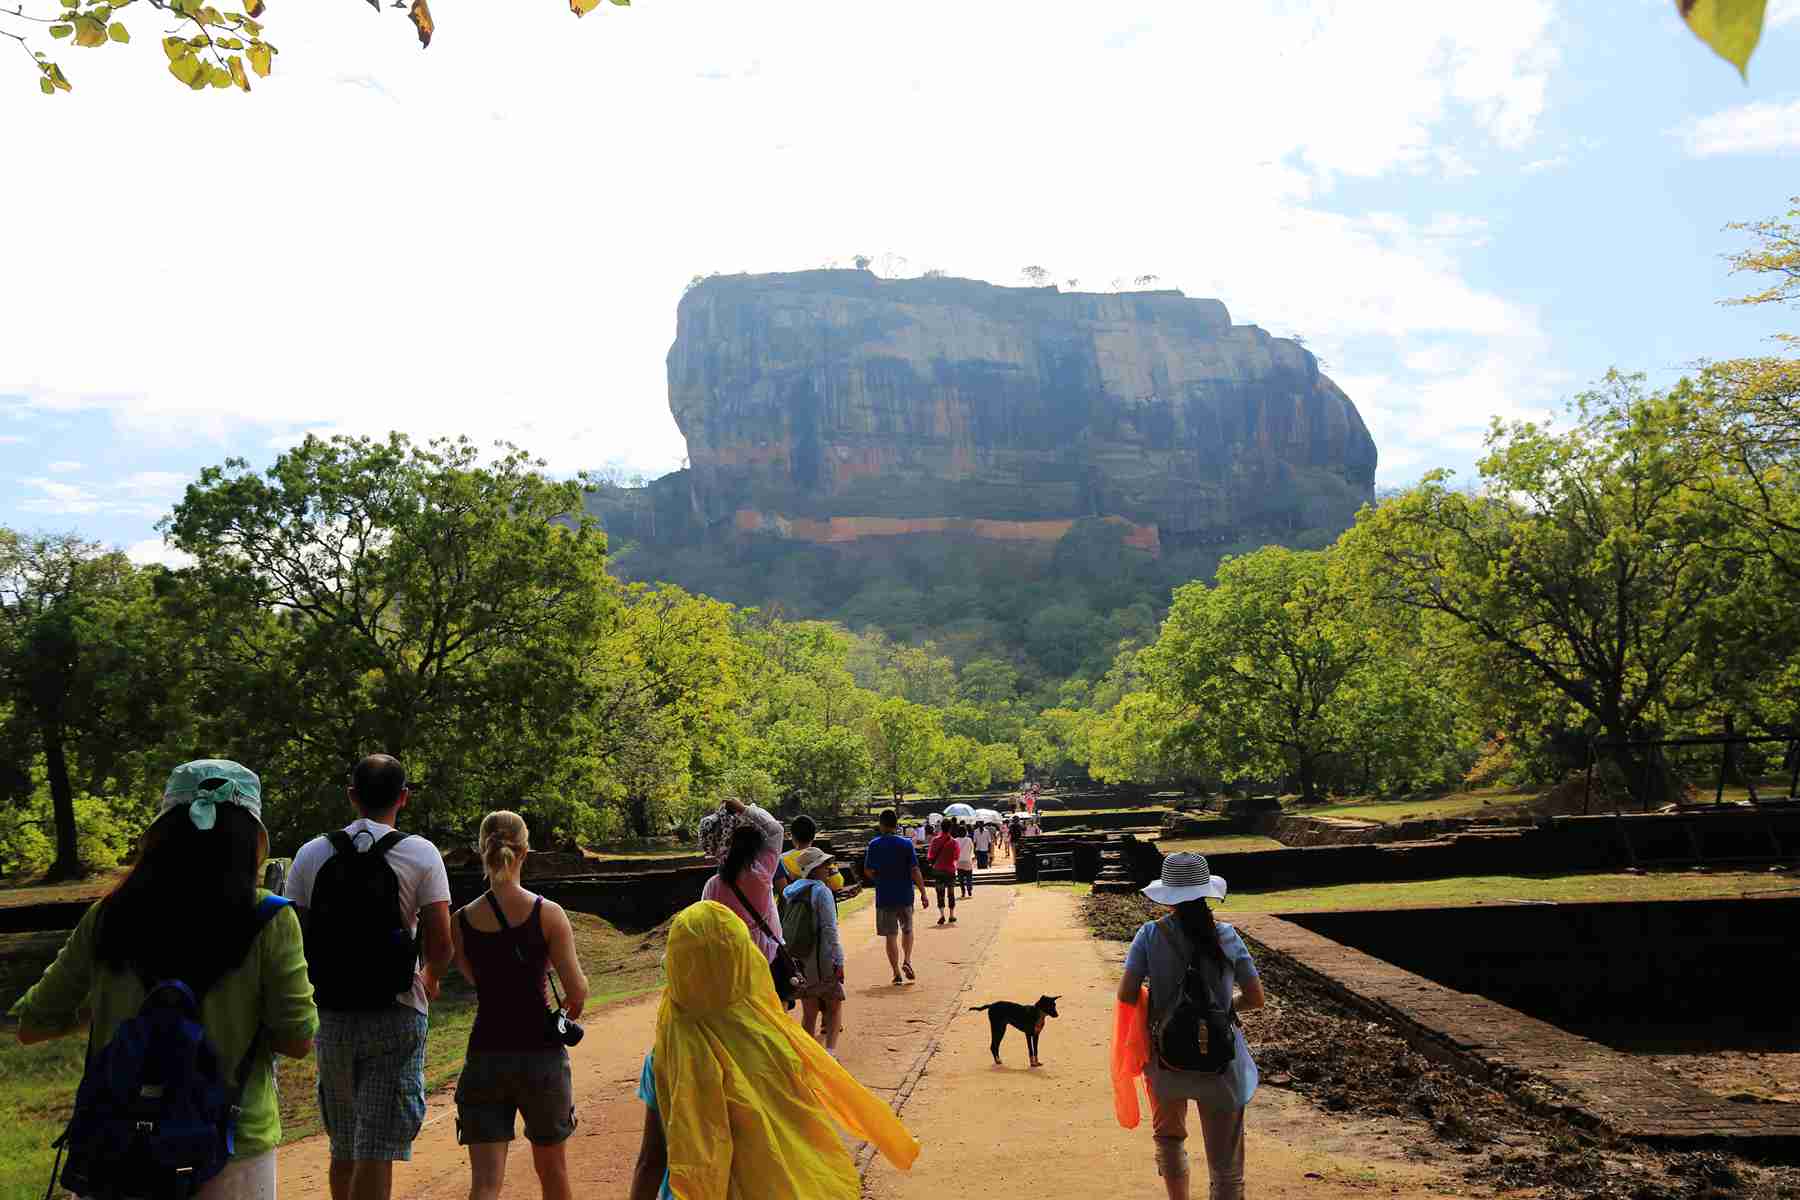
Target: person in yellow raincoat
{"x": 740, "y": 1102}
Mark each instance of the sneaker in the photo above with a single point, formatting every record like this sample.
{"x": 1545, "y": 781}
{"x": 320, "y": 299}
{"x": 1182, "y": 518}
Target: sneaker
{"x": 940, "y": 920}
{"x": 898, "y": 981}
{"x": 907, "y": 967}
{"x": 953, "y": 920}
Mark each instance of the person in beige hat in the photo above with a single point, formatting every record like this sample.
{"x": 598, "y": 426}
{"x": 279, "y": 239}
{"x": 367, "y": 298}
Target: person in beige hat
{"x": 810, "y": 927}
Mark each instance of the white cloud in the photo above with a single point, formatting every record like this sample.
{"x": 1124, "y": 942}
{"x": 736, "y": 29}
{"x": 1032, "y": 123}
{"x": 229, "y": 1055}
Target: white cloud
{"x": 145, "y": 494}
{"x": 155, "y": 550}
{"x": 1781, "y": 13}
{"x": 62, "y": 467}
{"x": 441, "y": 249}
{"x": 1538, "y": 166}
{"x": 12, "y": 439}
{"x": 1761, "y": 127}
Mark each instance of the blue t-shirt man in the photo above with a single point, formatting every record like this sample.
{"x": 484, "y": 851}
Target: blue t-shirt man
{"x": 894, "y": 861}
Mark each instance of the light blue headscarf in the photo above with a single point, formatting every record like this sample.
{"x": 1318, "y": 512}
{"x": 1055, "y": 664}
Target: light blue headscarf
{"x": 206, "y": 783}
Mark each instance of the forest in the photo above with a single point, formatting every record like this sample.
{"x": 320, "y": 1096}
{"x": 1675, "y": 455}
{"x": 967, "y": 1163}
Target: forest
{"x": 1620, "y": 574}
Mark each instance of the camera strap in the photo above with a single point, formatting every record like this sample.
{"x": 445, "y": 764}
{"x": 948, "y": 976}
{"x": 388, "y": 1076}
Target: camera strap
{"x": 500, "y": 916}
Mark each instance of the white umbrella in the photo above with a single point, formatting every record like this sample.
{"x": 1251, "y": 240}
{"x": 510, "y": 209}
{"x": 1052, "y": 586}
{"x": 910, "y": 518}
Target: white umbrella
{"x": 962, "y": 812}
{"x": 987, "y": 816}
{"x": 935, "y": 819}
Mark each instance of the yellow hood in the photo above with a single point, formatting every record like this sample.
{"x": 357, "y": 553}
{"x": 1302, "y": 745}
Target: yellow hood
{"x": 744, "y": 1094}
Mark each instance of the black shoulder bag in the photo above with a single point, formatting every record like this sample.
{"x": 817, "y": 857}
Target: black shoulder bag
{"x": 788, "y": 976}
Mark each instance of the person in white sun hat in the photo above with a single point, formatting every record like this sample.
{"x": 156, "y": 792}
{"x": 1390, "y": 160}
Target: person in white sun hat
{"x": 1195, "y": 967}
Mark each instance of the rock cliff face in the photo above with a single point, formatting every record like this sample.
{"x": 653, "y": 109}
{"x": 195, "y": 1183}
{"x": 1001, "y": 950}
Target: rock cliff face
{"x": 836, "y": 406}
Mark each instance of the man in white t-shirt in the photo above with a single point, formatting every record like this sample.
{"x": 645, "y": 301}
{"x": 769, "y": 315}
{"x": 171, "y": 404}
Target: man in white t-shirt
{"x": 371, "y": 1054}
{"x": 984, "y": 843}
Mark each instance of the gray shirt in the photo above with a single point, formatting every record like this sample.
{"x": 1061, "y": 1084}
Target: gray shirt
{"x": 1161, "y": 958}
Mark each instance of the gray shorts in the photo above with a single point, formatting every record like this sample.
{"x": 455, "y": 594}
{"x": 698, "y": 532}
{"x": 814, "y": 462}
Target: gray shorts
{"x": 494, "y": 1086}
{"x": 893, "y": 920}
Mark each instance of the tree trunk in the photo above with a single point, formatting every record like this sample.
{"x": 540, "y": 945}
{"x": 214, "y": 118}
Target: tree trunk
{"x": 62, "y": 802}
{"x": 1309, "y": 780}
{"x": 1647, "y": 776}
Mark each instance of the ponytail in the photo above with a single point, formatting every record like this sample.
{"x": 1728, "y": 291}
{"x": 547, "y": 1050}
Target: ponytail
{"x": 504, "y": 843}
{"x": 1196, "y": 920}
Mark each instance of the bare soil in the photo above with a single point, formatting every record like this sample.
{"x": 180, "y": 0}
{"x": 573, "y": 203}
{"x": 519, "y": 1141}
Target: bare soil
{"x": 1310, "y": 1044}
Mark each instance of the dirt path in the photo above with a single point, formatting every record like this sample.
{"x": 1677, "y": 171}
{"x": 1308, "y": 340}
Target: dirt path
{"x": 889, "y": 1033}
{"x": 1050, "y": 1134}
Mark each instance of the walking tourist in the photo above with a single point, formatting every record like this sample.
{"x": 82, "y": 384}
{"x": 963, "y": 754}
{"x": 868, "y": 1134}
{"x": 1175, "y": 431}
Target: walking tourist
{"x": 746, "y": 878}
{"x": 188, "y": 911}
{"x": 373, "y": 901}
{"x": 984, "y": 844}
{"x": 894, "y": 866}
{"x": 809, "y": 926}
{"x": 942, "y": 857}
{"x": 517, "y": 1062}
{"x": 1219, "y": 1090}
{"x": 965, "y": 860}
{"x": 738, "y": 1100}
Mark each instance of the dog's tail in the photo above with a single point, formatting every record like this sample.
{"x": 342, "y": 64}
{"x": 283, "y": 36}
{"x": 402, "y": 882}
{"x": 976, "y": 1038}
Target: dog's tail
{"x": 981, "y": 1008}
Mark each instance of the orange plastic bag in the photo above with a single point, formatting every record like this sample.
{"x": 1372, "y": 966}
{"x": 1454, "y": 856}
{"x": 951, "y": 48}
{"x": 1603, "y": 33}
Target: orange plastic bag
{"x": 1130, "y": 1055}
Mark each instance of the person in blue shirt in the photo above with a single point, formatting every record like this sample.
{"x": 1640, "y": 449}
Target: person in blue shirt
{"x": 893, "y": 864}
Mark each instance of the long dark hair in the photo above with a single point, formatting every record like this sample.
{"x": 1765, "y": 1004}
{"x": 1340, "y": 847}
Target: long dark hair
{"x": 746, "y": 840}
{"x": 1196, "y": 920}
{"x": 187, "y": 909}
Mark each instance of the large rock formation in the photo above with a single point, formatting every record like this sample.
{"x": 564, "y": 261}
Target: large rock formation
{"x": 835, "y": 406}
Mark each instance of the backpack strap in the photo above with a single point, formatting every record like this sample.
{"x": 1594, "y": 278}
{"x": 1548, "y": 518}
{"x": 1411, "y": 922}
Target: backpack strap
{"x": 499, "y": 913}
{"x": 388, "y": 841}
{"x": 341, "y": 842}
{"x": 267, "y": 909}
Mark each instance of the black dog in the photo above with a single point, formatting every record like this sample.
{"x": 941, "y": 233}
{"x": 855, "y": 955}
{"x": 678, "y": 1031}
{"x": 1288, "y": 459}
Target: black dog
{"x": 1027, "y": 1018}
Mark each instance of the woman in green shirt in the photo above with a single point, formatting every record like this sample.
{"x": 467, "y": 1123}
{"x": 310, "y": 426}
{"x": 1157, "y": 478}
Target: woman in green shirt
{"x": 187, "y": 911}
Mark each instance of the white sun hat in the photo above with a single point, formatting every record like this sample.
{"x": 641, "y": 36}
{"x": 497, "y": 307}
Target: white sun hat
{"x": 1186, "y": 877}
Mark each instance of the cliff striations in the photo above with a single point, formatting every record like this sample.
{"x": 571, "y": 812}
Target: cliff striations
{"x": 836, "y": 406}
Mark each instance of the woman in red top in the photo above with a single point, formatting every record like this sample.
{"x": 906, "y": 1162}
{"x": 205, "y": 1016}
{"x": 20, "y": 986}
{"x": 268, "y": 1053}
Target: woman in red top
{"x": 505, "y": 944}
{"x": 942, "y": 857}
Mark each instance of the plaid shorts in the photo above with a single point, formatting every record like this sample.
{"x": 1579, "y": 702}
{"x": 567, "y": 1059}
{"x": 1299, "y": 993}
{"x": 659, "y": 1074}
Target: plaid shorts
{"x": 372, "y": 1082}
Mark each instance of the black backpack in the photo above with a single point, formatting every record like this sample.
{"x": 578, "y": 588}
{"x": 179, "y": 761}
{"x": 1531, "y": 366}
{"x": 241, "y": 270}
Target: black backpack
{"x": 360, "y": 954}
{"x": 1194, "y": 1034}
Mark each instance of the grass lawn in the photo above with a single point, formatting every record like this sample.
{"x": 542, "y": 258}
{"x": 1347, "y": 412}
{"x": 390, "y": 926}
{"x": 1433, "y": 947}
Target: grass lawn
{"x": 1497, "y": 889}
{"x": 1494, "y": 801}
{"x": 37, "y": 1083}
{"x": 1223, "y": 843}
{"x": 30, "y": 891}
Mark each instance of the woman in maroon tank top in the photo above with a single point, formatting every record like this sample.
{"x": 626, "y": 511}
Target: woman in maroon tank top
{"x": 506, "y": 942}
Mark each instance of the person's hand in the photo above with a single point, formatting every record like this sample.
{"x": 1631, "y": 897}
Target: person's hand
{"x": 840, "y": 973}
{"x": 924, "y": 901}
{"x": 433, "y": 985}
{"x": 733, "y": 805}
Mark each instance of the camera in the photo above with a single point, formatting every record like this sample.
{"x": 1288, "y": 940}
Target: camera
{"x": 564, "y": 1031}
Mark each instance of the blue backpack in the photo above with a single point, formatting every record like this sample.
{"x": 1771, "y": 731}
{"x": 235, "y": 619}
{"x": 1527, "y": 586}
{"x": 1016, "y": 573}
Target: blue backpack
{"x": 154, "y": 1116}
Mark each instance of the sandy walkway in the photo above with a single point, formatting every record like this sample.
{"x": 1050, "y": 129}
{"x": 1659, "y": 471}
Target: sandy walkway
{"x": 889, "y": 1033}
{"x": 1050, "y": 1134}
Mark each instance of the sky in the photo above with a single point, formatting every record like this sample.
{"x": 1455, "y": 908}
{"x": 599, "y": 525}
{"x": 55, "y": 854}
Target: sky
{"x": 1467, "y": 209}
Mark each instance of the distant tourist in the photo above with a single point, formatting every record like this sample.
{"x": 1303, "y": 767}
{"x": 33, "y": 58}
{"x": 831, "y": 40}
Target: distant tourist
{"x": 942, "y": 857}
{"x": 803, "y": 829}
{"x": 1219, "y": 1087}
{"x": 738, "y": 1101}
{"x": 965, "y": 860}
{"x": 893, "y": 864}
{"x": 189, "y": 910}
{"x": 517, "y": 1063}
{"x": 809, "y": 926}
{"x": 746, "y": 877}
{"x": 370, "y": 898}
{"x": 984, "y": 844}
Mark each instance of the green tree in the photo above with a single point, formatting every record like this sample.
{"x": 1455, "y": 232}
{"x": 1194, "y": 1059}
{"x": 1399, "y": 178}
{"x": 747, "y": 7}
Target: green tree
{"x": 959, "y": 763}
{"x": 376, "y": 595}
{"x": 1004, "y": 763}
{"x": 1593, "y": 568}
{"x": 821, "y": 769}
{"x": 90, "y": 670}
{"x": 902, "y": 738}
{"x": 1256, "y": 668}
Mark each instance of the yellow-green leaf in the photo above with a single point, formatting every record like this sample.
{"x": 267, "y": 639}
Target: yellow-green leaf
{"x": 118, "y": 33}
{"x": 253, "y": 8}
{"x": 421, "y": 19}
{"x": 186, "y": 68}
{"x": 1731, "y": 27}
{"x": 175, "y": 48}
{"x": 46, "y": 87}
{"x": 237, "y": 73}
{"x": 89, "y": 32}
{"x": 61, "y": 31}
{"x": 60, "y": 80}
{"x": 259, "y": 59}
{"x": 219, "y": 77}
{"x": 582, "y": 8}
